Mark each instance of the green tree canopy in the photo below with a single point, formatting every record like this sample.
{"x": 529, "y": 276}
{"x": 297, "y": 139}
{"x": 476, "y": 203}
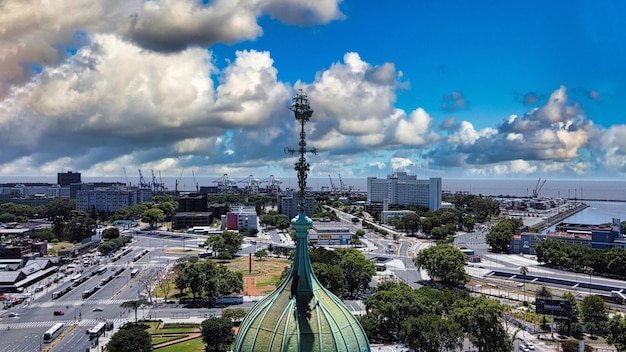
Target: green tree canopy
{"x": 616, "y": 332}
{"x": 432, "y": 333}
{"x": 130, "y": 338}
{"x": 594, "y": 312}
{"x": 499, "y": 238}
{"x": 79, "y": 227}
{"x": 443, "y": 263}
{"x": 217, "y": 334}
{"x": 110, "y": 233}
{"x": 481, "y": 319}
{"x": 153, "y": 216}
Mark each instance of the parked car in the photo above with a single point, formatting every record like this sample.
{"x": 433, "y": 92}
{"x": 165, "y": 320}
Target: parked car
{"x": 59, "y": 312}
{"x": 98, "y": 309}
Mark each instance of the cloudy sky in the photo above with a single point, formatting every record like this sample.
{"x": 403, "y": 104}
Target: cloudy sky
{"x": 438, "y": 88}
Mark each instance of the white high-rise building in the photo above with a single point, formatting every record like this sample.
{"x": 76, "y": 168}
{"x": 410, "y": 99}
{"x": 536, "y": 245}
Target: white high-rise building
{"x": 403, "y": 189}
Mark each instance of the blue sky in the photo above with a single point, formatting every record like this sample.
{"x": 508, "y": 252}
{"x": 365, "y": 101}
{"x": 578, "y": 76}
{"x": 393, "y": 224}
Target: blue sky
{"x": 452, "y": 89}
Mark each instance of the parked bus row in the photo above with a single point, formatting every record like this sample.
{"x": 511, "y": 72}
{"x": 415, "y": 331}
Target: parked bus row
{"x": 120, "y": 255}
{"x": 57, "y": 294}
{"x": 106, "y": 280}
{"x": 88, "y": 293}
{"x": 139, "y": 255}
{"x": 79, "y": 279}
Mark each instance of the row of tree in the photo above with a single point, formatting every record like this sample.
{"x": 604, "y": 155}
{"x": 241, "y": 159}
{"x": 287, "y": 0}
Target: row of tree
{"x": 579, "y": 258}
{"x": 205, "y": 279}
{"x": 428, "y": 320}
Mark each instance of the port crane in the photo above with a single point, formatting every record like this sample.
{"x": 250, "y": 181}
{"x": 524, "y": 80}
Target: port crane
{"x": 178, "y": 181}
{"x": 142, "y": 181}
{"x": 194, "y": 181}
{"x": 273, "y": 186}
{"x": 538, "y": 188}
{"x": 252, "y": 184}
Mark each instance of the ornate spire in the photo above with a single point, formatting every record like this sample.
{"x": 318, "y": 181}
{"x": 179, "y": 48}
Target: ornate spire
{"x": 300, "y": 315}
{"x": 302, "y": 110}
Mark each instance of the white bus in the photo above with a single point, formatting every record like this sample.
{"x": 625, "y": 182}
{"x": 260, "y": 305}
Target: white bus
{"x": 76, "y": 277}
{"x": 97, "y": 330}
{"x": 134, "y": 272}
{"x": 53, "y": 332}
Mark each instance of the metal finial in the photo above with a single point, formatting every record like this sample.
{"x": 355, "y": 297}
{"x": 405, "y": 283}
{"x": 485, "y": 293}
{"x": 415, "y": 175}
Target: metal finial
{"x": 303, "y": 112}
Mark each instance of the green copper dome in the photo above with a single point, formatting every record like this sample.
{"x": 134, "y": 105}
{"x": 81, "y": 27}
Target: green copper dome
{"x": 301, "y": 315}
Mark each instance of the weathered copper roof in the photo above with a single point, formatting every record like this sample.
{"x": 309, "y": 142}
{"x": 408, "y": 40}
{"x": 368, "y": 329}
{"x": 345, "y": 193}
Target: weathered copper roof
{"x": 300, "y": 315}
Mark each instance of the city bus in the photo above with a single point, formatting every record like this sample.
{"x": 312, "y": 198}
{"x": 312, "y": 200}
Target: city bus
{"x": 97, "y": 330}
{"x": 76, "y": 277}
{"x": 102, "y": 270}
{"x": 134, "y": 272}
{"x": 53, "y": 332}
{"x": 88, "y": 293}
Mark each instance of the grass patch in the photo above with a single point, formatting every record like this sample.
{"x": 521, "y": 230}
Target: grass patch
{"x": 193, "y": 345}
{"x": 269, "y": 280}
{"x": 180, "y": 325}
{"x": 161, "y": 339}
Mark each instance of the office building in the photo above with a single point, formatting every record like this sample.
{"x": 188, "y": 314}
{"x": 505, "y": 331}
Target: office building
{"x": 403, "y": 189}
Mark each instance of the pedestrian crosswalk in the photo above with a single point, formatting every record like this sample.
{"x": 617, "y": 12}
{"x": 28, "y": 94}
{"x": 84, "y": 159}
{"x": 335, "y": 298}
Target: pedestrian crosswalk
{"x": 49, "y": 323}
{"x": 68, "y": 305}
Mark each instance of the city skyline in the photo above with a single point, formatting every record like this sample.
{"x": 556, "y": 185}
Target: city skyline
{"x": 453, "y": 90}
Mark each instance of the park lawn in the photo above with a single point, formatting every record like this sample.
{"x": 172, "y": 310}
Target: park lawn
{"x": 240, "y": 264}
{"x": 159, "y": 340}
{"x": 267, "y": 280}
{"x": 193, "y": 345}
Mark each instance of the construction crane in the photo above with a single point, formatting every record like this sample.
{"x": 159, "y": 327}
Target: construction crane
{"x": 194, "y": 181}
{"x": 157, "y": 187}
{"x": 538, "y": 187}
{"x": 126, "y": 177}
{"x": 252, "y": 184}
{"x": 142, "y": 181}
{"x": 333, "y": 188}
{"x": 178, "y": 181}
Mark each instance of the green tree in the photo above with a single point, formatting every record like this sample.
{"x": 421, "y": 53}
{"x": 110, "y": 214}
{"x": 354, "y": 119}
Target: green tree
{"x": 523, "y": 271}
{"x": 412, "y": 222}
{"x": 282, "y": 222}
{"x": 79, "y": 227}
{"x": 207, "y": 279}
{"x": 443, "y": 263}
{"x": 7, "y": 217}
{"x": 616, "y": 332}
{"x": 261, "y": 254}
{"x": 331, "y": 277}
{"x": 499, "y": 238}
{"x": 217, "y": 334}
{"x": 358, "y": 270}
{"x": 169, "y": 209}
{"x": 110, "y": 233}
{"x": 594, "y": 312}
{"x": 130, "y": 338}
{"x": 543, "y": 292}
{"x": 481, "y": 319}
{"x": 58, "y": 207}
{"x": 431, "y": 333}
{"x": 232, "y": 241}
{"x": 216, "y": 243}
{"x": 392, "y": 304}
{"x": 134, "y": 305}
{"x": 234, "y": 314}
{"x": 153, "y": 216}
